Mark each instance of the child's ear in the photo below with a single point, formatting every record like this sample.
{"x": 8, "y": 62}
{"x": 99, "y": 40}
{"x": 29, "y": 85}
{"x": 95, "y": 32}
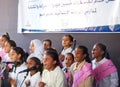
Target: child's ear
{"x": 102, "y": 52}
{"x": 37, "y": 66}
{"x": 19, "y": 55}
{"x": 71, "y": 43}
{"x": 54, "y": 62}
{"x": 85, "y": 55}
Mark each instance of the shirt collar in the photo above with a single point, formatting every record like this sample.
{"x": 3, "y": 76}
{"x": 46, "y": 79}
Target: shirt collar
{"x": 79, "y": 66}
{"x": 101, "y": 61}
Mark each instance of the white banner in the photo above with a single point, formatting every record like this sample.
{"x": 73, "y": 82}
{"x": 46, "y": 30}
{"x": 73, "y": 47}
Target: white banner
{"x": 67, "y": 15}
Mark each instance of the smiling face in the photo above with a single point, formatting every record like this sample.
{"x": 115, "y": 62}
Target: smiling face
{"x": 14, "y": 56}
{"x": 97, "y": 52}
{"x": 30, "y": 63}
{"x": 79, "y": 56}
{"x": 49, "y": 63}
{"x": 7, "y": 47}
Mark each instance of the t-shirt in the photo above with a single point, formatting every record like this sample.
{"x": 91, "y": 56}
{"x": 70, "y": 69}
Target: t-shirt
{"x": 55, "y": 78}
{"x": 34, "y": 79}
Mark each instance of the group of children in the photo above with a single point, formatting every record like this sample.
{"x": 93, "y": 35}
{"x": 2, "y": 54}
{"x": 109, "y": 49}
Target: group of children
{"x": 45, "y": 67}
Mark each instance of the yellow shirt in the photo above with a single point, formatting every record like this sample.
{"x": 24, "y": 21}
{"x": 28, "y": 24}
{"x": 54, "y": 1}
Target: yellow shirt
{"x": 88, "y": 82}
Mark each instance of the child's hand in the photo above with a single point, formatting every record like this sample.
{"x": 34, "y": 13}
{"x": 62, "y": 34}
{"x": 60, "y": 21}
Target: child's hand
{"x": 27, "y": 83}
{"x": 7, "y": 69}
{"x": 41, "y": 84}
{"x": 12, "y": 82}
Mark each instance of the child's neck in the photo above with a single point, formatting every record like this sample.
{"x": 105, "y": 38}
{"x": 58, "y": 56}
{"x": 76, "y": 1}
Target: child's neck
{"x": 99, "y": 59}
{"x": 79, "y": 63}
{"x": 32, "y": 73}
{"x": 52, "y": 68}
{"x": 66, "y": 47}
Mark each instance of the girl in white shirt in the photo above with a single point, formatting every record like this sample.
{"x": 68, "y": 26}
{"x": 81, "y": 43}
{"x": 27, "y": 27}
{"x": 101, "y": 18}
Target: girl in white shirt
{"x": 9, "y": 44}
{"x": 69, "y": 60}
{"x": 34, "y": 76}
{"x": 36, "y": 49}
{"x": 67, "y": 42}
{"x": 52, "y": 75}
{"x": 17, "y": 56}
{"x": 3, "y": 39}
{"x": 7, "y": 48}
{"x": 101, "y": 64}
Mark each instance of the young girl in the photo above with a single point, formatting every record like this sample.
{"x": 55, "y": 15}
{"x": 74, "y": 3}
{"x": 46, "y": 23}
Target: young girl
{"x": 104, "y": 71}
{"x": 81, "y": 70}
{"x": 52, "y": 75}
{"x": 3, "y": 39}
{"x": 47, "y": 43}
{"x": 34, "y": 76}
{"x": 9, "y": 44}
{"x": 67, "y": 42}
{"x": 36, "y": 49}
{"x": 69, "y": 59}
{"x": 17, "y": 55}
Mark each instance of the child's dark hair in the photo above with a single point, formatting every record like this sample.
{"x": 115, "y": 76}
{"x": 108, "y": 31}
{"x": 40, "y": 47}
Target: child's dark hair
{"x": 53, "y": 53}
{"x": 38, "y": 63}
{"x": 12, "y": 43}
{"x": 70, "y": 37}
{"x": 85, "y": 51}
{"x": 6, "y": 36}
{"x": 103, "y": 48}
{"x": 48, "y": 41}
{"x": 71, "y": 56}
{"x": 19, "y": 50}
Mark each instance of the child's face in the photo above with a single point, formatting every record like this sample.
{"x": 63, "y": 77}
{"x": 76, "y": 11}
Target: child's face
{"x": 46, "y": 45}
{"x": 14, "y": 56}
{"x": 30, "y": 63}
{"x": 7, "y": 47}
{"x": 97, "y": 52}
{"x": 79, "y": 56}
{"x": 31, "y": 48}
{"x": 68, "y": 60}
{"x": 66, "y": 42}
{"x": 49, "y": 63}
{"x": 3, "y": 40}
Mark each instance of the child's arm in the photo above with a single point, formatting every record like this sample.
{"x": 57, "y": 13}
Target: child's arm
{"x": 42, "y": 84}
{"x": 12, "y": 82}
{"x": 27, "y": 83}
{"x": 89, "y": 81}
